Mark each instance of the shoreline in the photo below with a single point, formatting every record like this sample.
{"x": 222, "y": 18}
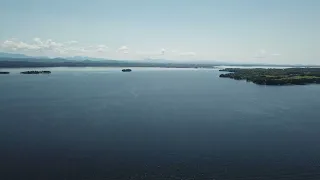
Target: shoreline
{"x": 274, "y": 77}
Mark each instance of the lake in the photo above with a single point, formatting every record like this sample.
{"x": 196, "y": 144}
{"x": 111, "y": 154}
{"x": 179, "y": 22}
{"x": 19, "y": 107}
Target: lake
{"x": 155, "y": 123}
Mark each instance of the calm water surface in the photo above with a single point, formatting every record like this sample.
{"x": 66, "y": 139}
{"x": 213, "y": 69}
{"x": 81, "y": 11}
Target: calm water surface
{"x": 100, "y": 123}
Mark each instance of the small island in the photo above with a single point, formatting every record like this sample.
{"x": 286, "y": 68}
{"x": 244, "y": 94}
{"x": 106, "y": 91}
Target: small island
{"x": 289, "y": 76}
{"x": 2, "y": 72}
{"x": 126, "y": 70}
{"x": 36, "y": 72}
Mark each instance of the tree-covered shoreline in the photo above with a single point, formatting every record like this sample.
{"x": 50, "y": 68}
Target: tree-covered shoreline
{"x": 35, "y": 72}
{"x": 289, "y": 76}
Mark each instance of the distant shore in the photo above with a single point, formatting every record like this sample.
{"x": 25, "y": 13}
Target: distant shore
{"x": 31, "y": 64}
{"x": 60, "y": 62}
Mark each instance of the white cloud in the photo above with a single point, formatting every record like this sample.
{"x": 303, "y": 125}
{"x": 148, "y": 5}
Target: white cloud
{"x": 264, "y": 54}
{"x": 152, "y": 53}
{"x": 262, "y": 51}
{"x": 48, "y": 44}
{"x": 18, "y": 45}
{"x": 276, "y": 54}
{"x": 102, "y": 46}
{"x": 71, "y": 42}
{"x": 123, "y": 49}
{"x": 188, "y": 54}
{"x": 37, "y": 40}
{"x": 50, "y": 47}
{"x": 163, "y": 51}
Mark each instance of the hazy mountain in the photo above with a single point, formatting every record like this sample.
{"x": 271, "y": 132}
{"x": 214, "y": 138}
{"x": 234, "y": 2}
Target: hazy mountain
{"x": 86, "y": 61}
{"x": 10, "y": 55}
{"x": 151, "y": 60}
{"x": 17, "y": 57}
{"x": 82, "y": 58}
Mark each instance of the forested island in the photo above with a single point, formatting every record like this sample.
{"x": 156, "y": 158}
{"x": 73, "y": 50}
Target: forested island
{"x": 289, "y": 76}
{"x": 36, "y": 72}
{"x": 126, "y": 70}
{"x": 1, "y": 72}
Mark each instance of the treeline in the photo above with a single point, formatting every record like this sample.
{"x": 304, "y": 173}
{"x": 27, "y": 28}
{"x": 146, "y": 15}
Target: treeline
{"x": 289, "y": 76}
{"x": 36, "y": 72}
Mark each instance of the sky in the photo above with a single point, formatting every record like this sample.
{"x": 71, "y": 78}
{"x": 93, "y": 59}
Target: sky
{"x": 251, "y": 31}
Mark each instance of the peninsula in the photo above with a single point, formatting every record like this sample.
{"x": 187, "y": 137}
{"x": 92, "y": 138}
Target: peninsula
{"x": 289, "y": 76}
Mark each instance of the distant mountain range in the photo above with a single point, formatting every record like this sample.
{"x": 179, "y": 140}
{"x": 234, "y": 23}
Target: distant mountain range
{"x": 21, "y": 60}
{"x": 82, "y": 58}
{"x": 19, "y": 57}
{"x": 10, "y": 55}
{"x": 22, "y": 57}
{"x": 74, "y": 58}
{"x": 8, "y": 60}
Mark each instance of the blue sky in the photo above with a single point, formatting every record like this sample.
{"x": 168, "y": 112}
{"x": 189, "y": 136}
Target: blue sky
{"x": 266, "y": 31}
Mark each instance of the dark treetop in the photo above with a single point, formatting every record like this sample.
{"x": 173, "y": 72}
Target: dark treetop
{"x": 126, "y": 70}
{"x": 36, "y": 72}
{"x": 290, "y": 76}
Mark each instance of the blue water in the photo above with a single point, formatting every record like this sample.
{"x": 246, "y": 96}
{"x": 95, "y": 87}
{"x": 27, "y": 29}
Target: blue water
{"x": 100, "y": 123}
